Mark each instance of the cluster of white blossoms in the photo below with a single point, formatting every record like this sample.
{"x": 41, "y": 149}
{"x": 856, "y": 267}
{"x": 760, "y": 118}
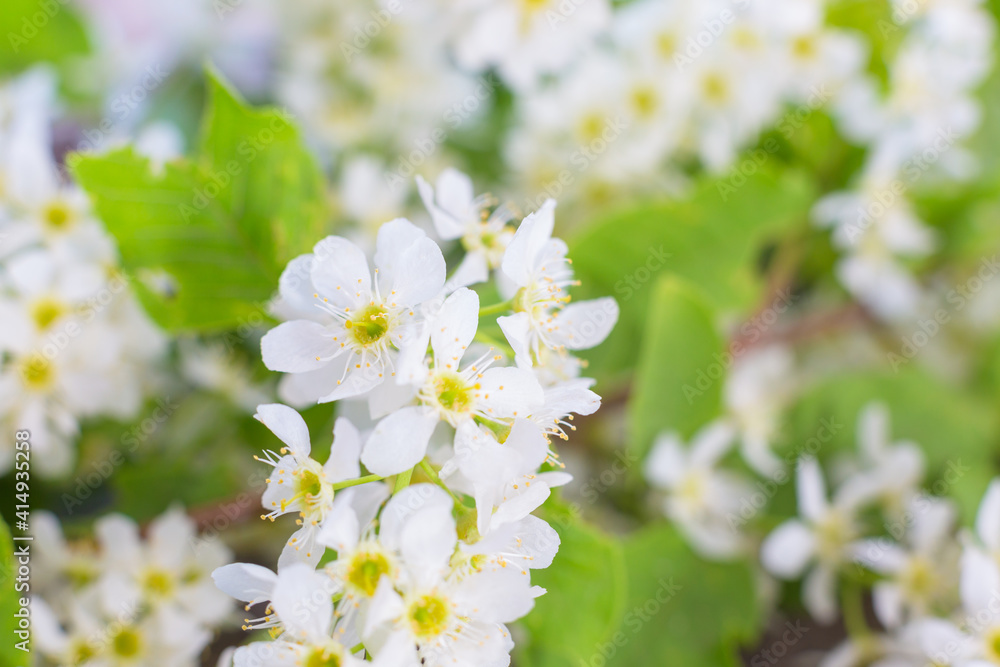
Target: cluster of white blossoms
{"x": 125, "y": 600}
{"x": 74, "y": 343}
{"x": 935, "y": 590}
{"x": 680, "y": 80}
{"x": 415, "y": 538}
{"x": 912, "y": 127}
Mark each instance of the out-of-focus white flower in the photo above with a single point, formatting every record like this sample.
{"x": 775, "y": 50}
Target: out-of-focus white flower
{"x": 921, "y": 575}
{"x": 758, "y": 388}
{"x": 825, "y": 536}
{"x": 458, "y": 214}
{"x": 212, "y": 367}
{"x": 526, "y": 40}
{"x": 699, "y": 497}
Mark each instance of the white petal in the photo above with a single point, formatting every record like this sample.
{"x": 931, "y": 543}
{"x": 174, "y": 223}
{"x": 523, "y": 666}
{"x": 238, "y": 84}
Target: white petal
{"x": 340, "y": 529}
{"x": 509, "y": 392}
{"x": 979, "y": 581}
{"x": 517, "y": 329}
{"x": 667, "y": 462}
{"x": 522, "y": 253}
{"x": 298, "y": 346}
{"x": 386, "y": 606}
{"x": 887, "y": 599}
{"x": 873, "y": 430}
{"x": 360, "y": 378}
{"x": 403, "y": 505}
{"x": 419, "y": 274}
{"x": 584, "y": 324}
{"x": 454, "y": 328}
{"x": 288, "y": 425}
{"x": 399, "y": 441}
{"x": 451, "y": 202}
{"x": 711, "y": 443}
{"x": 301, "y": 604}
{"x": 245, "y": 581}
{"x": 819, "y": 594}
{"x": 344, "y": 453}
{"x": 497, "y": 596}
{"x": 474, "y": 269}
{"x": 988, "y": 517}
{"x": 427, "y": 541}
{"x": 811, "y": 489}
{"x": 340, "y": 272}
{"x": 786, "y": 551}
{"x": 296, "y": 288}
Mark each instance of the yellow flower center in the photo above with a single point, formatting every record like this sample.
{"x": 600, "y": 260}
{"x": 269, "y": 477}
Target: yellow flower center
{"x": 366, "y": 569}
{"x": 127, "y": 643}
{"x": 322, "y": 656}
{"x": 429, "y": 616}
{"x": 158, "y": 583}
{"x": 47, "y": 310}
{"x": 37, "y": 372}
{"x": 369, "y": 326}
{"x": 453, "y": 393}
{"x": 57, "y": 215}
{"x": 644, "y": 100}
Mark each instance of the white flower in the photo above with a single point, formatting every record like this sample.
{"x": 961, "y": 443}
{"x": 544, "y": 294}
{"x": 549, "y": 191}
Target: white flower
{"x": 825, "y": 536}
{"x": 435, "y": 619}
{"x": 299, "y": 483}
{"x": 448, "y": 392}
{"x": 920, "y": 575}
{"x": 458, "y": 214}
{"x": 757, "y": 389}
{"x": 357, "y": 324}
{"x": 527, "y": 39}
{"x": 537, "y": 264}
{"x": 506, "y": 483}
{"x": 890, "y": 472}
{"x": 301, "y": 600}
{"x": 171, "y": 569}
{"x": 212, "y": 367}
{"x": 700, "y": 498}
{"x": 979, "y": 582}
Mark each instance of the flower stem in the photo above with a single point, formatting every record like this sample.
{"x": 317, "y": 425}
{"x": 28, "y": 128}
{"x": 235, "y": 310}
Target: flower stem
{"x": 355, "y": 482}
{"x": 853, "y": 604}
{"x": 402, "y": 480}
{"x": 432, "y": 473}
{"x": 501, "y": 307}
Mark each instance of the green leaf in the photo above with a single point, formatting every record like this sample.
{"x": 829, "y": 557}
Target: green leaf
{"x": 682, "y": 610}
{"x": 713, "y": 238}
{"x": 222, "y": 225}
{"x": 957, "y": 430}
{"x": 678, "y": 382}
{"x": 9, "y": 604}
{"x": 642, "y": 600}
{"x": 37, "y": 31}
{"x": 585, "y": 599}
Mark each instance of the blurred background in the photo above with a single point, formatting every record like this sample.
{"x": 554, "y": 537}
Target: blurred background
{"x": 794, "y": 203}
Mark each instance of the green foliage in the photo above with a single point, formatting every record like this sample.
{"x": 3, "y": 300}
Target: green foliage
{"x": 681, "y": 367}
{"x": 956, "y": 430}
{"x": 37, "y": 31}
{"x": 222, "y": 224}
{"x": 712, "y": 238}
{"x": 587, "y": 587}
{"x": 644, "y": 600}
{"x": 8, "y": 600}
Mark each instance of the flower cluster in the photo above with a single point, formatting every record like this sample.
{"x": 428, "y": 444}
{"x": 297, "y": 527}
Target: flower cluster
{"x": 125, "y": 600}
{"x": 74, "y": 343}
{"x": 912, "y": 129}
{"x": 411, "y": 548}
{"x": 933, "y": 593}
